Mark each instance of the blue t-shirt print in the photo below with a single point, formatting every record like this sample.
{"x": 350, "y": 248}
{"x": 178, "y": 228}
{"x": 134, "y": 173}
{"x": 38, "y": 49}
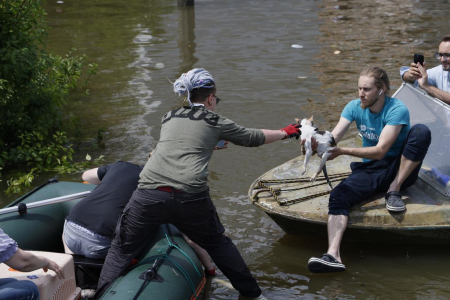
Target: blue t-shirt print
{"x": 370, "y": 125}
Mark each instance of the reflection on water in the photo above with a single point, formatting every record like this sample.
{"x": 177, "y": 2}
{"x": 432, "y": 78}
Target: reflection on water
{"x": 264, "y": 83}
{"x": 186, "y": 38}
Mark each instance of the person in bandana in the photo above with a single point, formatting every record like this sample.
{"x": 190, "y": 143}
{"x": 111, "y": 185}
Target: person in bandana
{"x": 173, "y": 184}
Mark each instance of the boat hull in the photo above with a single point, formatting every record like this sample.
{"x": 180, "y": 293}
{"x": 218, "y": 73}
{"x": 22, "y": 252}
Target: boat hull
{"x": 301, "y": 208}
{"x": 178, "y": 277}
{"x": 430, "y": 235}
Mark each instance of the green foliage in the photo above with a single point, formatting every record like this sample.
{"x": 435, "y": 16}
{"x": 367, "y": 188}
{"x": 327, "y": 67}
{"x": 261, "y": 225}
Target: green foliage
{"x": 93, "y": 68}
{"x": 40, "y": 154}
{"x": 34, "y": 86}
{"x": 80, "y": 166}
{"x": 22, "y": 181}
{"x": 16, "y": 185}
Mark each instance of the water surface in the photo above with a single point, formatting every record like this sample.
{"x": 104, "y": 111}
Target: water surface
{"x": 264, "y": 82}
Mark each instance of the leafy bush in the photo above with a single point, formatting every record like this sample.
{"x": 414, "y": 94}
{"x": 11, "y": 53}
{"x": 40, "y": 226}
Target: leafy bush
{"x": 34, "y": 86}
{"x": 21, "y": 181}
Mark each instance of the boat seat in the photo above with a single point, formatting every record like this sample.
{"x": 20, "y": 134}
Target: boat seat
{"x": 87, "y": 270}
{"x": 88, "y": 262}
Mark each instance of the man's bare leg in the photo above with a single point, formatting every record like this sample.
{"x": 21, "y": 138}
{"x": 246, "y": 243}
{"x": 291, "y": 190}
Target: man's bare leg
{"x": 336, "y": 227}
{"x": 405, "y": 169}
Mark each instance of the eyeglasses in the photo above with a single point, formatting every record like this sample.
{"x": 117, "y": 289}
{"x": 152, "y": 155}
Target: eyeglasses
{"x": 217, "y": 99}
{"x": 446, "y": 56}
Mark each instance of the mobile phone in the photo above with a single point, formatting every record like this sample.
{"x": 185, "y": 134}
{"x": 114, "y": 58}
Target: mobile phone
{"x": 220, "y": 144}
{"x": 419, "y": 58}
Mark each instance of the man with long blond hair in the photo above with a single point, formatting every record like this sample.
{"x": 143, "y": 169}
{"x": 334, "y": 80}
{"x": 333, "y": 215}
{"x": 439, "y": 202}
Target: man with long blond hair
{"x": 392, "y": 154}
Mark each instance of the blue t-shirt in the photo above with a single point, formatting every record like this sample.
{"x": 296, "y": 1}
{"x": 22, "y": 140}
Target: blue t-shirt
{"x": 370, "y": 124}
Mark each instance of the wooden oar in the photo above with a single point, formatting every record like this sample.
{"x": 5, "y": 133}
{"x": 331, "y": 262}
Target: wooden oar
{"x": 46, "y": 202}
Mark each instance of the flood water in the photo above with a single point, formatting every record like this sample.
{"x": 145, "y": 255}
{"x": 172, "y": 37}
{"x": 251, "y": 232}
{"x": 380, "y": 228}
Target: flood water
{"x": 264, "y": 82}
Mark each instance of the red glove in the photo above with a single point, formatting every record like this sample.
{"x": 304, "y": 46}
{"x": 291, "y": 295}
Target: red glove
{"x": 292, "y": 131}
{"x": 211, "y": 272}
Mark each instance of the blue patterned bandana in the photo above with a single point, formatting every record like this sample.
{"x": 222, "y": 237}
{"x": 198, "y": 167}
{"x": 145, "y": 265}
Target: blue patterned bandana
{"x": 194, "y": 79}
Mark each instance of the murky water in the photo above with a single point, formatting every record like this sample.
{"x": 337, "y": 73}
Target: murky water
{"x": 264, "y": 83}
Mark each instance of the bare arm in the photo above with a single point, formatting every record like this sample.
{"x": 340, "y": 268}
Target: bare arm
{"x": 340, "y": 129}
{"x": 387, "y": 138}
{"x": 412, "y": 74}
{"x": 91, "y": 176}
{"x": 437, "y": 93}
{"x": 273, "y": 135}
{"x": 25, "y": 261}
{"x": 431, "y": 90}
{"x": 201, "y": 253}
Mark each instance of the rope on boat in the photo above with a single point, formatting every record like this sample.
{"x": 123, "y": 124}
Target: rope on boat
{"x": 293, "y": 180}
{"x": 265, "y": 186}
{"x": 187, "y": 256}
{"x": 151, "y": 273}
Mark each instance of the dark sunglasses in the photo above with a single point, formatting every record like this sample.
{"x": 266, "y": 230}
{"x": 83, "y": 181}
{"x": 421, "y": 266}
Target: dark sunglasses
{"x": 217, "y": 99}
{"x": 446, "y": 56}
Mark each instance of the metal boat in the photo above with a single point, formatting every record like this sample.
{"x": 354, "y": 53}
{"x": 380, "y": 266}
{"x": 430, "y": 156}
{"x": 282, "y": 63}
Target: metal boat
{"x": 299, "y": 206}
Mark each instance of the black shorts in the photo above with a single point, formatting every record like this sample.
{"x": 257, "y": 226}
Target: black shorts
{"x": 372, "y": 177}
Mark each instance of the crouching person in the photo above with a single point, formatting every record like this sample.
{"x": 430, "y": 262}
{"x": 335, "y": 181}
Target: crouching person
{"x": 91, "y": 223}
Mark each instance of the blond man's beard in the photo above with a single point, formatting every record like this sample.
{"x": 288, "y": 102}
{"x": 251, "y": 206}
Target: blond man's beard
{"x": 370, "y": 104}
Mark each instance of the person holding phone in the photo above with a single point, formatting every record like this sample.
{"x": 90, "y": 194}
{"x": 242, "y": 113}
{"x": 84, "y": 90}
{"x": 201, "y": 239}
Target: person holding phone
{"x": 222, "y": 144}
{"x": 435, "y": 81}
{"x": 173, "y": 185}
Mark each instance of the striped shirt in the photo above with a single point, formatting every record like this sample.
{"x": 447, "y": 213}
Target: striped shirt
{"x": 8, "y": 247}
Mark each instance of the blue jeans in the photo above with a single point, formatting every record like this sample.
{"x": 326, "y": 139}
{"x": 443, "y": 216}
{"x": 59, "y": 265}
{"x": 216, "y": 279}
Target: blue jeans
{"x": 13, "y": 289}
{"x": 82, "y": 241}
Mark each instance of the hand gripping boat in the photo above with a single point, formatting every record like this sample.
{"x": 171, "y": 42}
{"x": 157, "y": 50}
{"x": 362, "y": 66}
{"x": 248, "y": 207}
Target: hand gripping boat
{"x": 168, "y": 268}
{"x": 299, "y": 206}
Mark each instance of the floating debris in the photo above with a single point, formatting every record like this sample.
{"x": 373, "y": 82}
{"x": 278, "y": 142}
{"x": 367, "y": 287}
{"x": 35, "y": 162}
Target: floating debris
{"x": 302, "y": 77}
{"x": 60, "y": 2}
{"x": 225, "y": 283}
{"x": 159, "y": 66}
{"x": 297, "y": 46}
{"x": 337, "y": 52}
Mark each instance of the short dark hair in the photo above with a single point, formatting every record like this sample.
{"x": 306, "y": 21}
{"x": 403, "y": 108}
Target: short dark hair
{"x": 446, "y": 38}
{"x": 200, "y": 94}
{"x": 380, "y": 75}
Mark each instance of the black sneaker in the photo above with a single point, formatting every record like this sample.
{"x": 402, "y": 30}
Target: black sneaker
{"x": 394, "y": 202}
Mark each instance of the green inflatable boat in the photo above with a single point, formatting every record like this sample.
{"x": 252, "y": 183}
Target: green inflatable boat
{"x": 167, "y": 267}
